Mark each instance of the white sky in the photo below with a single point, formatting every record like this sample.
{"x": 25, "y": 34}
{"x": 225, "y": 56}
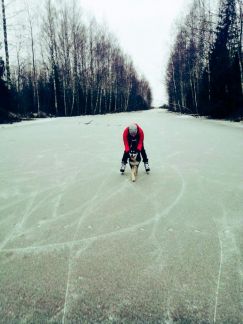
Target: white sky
{"x": 144, "y": 30}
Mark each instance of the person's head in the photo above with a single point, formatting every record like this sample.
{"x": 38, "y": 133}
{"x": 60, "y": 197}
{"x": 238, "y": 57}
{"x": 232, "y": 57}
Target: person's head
{"x": 133, "y": 129}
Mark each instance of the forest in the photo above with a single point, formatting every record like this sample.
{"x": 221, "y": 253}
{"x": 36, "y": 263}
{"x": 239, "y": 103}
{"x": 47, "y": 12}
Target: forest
{"x": 205, "y": 69}
{"x": 65, "y": 64}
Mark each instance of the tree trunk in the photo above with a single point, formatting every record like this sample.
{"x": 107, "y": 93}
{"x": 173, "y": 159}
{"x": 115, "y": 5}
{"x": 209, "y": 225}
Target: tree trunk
{"x": 64, "y": 96}
{"x": 36, "y": 92}
{"x": 240, "y": 47}
{"x": 6, "y": 45}
{"x": 174, "y": 84}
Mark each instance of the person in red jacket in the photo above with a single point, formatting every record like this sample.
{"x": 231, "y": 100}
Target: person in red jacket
{"x": 133, "y": 137}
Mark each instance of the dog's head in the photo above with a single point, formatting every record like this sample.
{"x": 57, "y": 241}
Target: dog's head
{"x": 134, "y": 158}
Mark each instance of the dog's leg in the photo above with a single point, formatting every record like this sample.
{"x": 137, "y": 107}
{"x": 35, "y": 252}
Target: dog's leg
{"x": 136, "y": 170}
{"x": 133, "y": 171}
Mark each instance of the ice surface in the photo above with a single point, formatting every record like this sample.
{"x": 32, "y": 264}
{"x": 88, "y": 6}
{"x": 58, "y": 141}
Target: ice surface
{"x": 79, "y": 242}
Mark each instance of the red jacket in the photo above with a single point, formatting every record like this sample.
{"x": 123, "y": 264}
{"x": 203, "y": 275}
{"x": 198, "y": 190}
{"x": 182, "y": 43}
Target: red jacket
{"x": 140, "y": 135}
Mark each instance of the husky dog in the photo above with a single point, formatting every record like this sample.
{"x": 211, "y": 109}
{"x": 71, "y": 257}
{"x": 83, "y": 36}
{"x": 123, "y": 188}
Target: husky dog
{"x": 134, "y": 160}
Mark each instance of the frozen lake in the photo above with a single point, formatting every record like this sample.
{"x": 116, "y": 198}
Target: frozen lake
{"x": 81, "y": 243}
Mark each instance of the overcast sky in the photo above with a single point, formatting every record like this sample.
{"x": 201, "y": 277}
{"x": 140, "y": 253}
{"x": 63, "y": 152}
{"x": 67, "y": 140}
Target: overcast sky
{"x": 144, "y": 30}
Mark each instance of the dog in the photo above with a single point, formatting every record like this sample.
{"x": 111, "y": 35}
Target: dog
{"x": 134, "y": 161}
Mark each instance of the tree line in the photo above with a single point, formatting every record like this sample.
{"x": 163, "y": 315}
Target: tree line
{"x": 69, "y": 65}
{"x": 205, "y": 68}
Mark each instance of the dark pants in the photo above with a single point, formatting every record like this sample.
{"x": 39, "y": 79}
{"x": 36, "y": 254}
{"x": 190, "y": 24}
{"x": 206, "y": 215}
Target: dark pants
{"x": 143, "y": 153}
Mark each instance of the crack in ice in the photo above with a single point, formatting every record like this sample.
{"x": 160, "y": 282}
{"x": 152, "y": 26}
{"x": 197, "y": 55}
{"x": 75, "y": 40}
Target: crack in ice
{"x": 90, "y": 208}
{"x": 219, "y": 275}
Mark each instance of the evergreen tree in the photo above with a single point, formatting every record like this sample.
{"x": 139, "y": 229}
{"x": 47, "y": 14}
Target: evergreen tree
{"x": 204, "y": 73}
{"x": 223, "y": 62}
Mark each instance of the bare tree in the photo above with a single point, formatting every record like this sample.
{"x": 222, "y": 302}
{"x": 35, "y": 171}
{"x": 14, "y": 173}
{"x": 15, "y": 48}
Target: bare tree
{"x": 6, "y": 44}
{"x": 50, "y": 32}
{"x": 36, "y": 99}
{"x": 75, "y": 67}
{"x": 240, "y": 42}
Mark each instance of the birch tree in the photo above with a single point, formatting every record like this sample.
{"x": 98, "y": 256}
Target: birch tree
{"x": 5, "y": 36}
{"x": 36, "y": 99}
{"x": 51, "y": 38}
